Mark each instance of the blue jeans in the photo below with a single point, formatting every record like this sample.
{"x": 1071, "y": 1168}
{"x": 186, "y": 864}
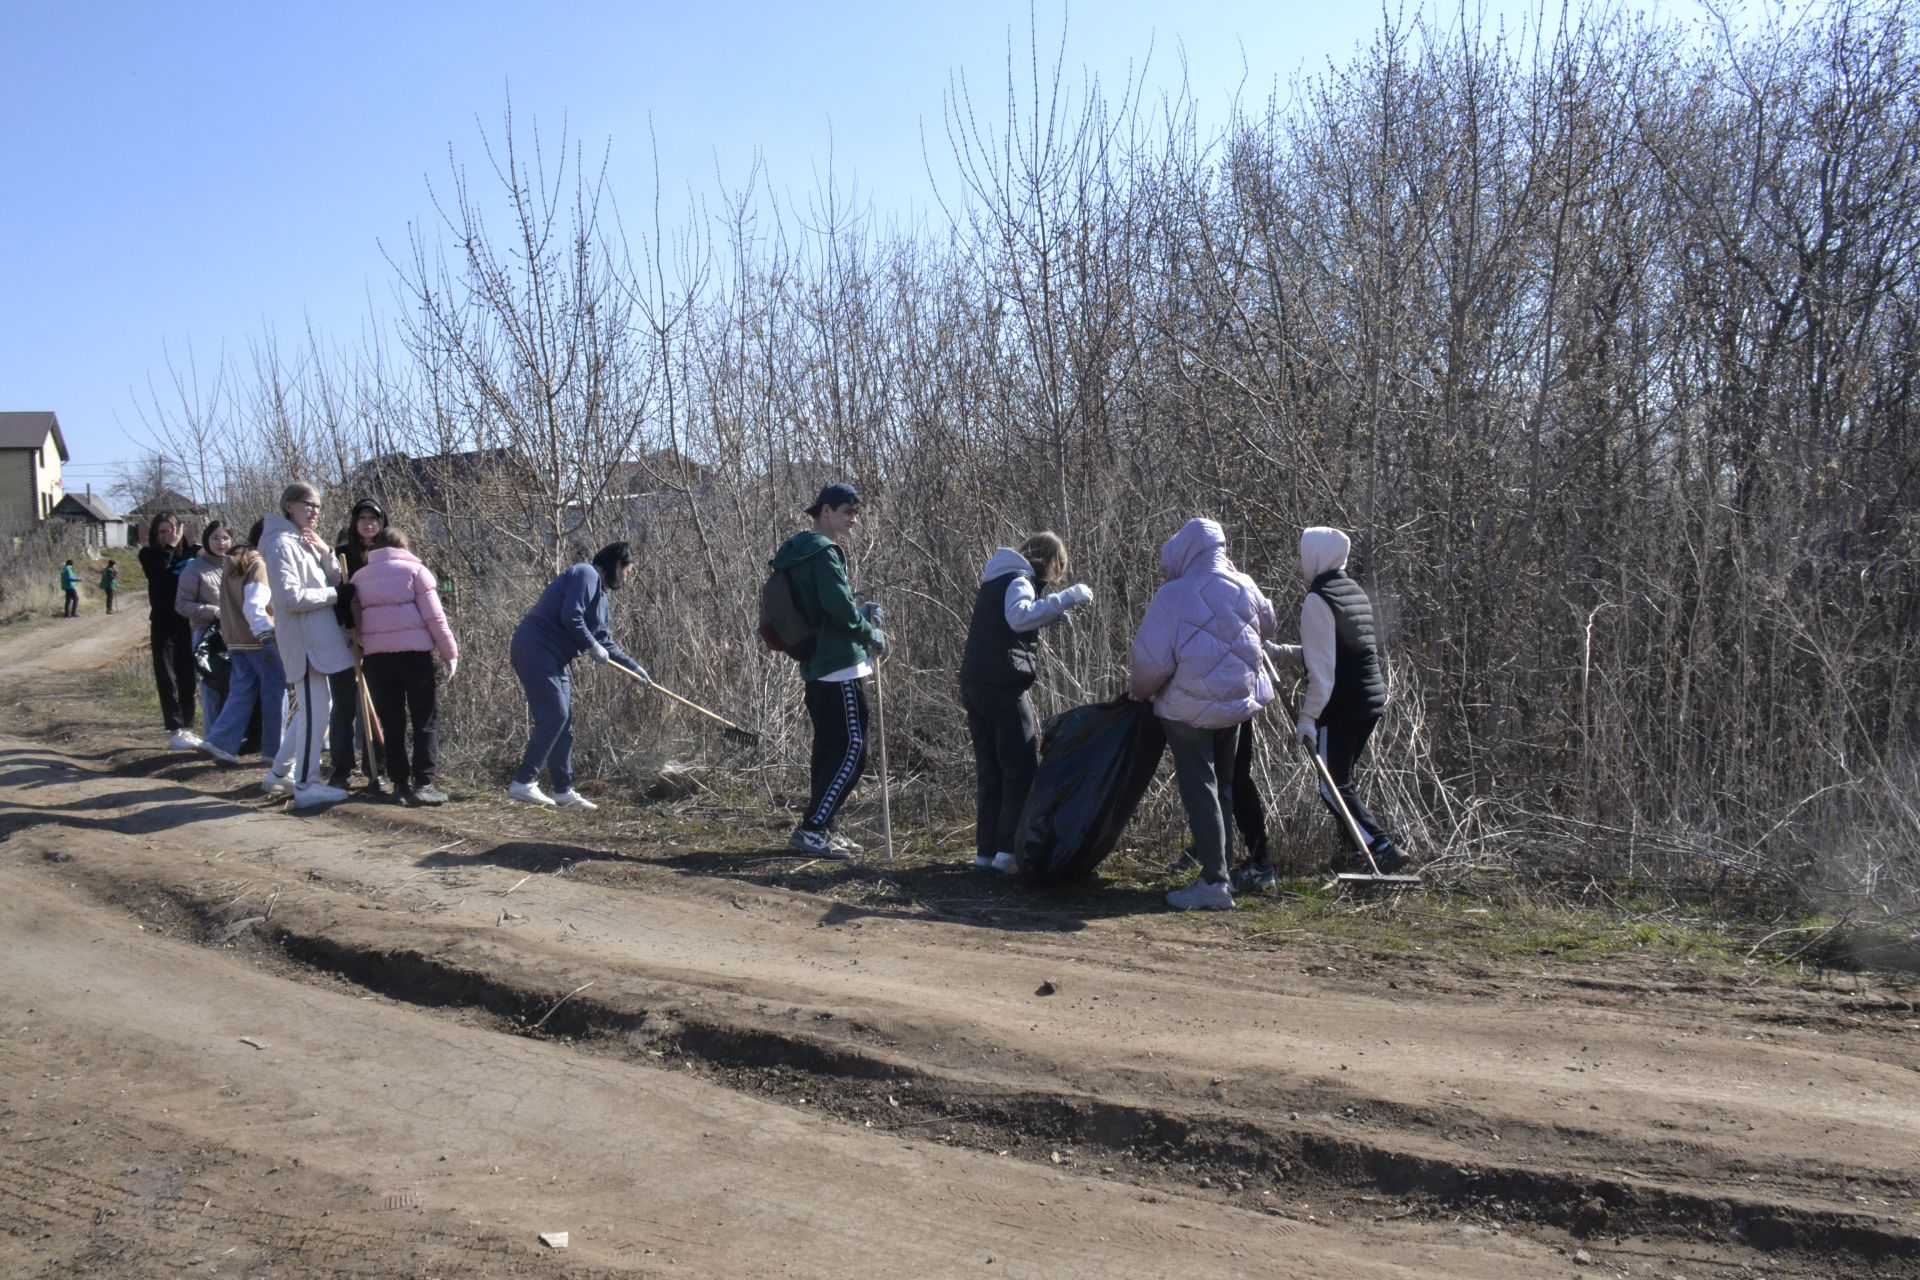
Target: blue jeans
{"x": 255, "y": 677}
{"x": 549, "y": 689}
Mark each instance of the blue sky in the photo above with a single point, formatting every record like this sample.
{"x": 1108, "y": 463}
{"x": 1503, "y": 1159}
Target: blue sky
{"x": 190, "y": 174}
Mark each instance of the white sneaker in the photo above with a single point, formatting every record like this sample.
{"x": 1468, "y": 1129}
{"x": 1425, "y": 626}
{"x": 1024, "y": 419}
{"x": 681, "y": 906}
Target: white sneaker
{"x": 224, "y": 757}
{"x": 315, "y": 794}
{"x": 1004, "y": 861}
{"x": 183, "y": 740}
{"x": 571, "y": 799}
{"x": 981, "y": 862}
{"x": 277, "y": 784}
{"x": 841, "y": 844}
{"x": 529, "y": 793}
{"x": 1202, "y": 896}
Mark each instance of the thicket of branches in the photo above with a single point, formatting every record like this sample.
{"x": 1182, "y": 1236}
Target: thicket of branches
{"x": 1601, "y": 342}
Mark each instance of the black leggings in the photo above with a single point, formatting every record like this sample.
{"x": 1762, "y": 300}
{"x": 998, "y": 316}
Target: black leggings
{"x": 1342, "y": 743}
{"x": 1005, "y": 756}
{"x": 1249, "y": 812}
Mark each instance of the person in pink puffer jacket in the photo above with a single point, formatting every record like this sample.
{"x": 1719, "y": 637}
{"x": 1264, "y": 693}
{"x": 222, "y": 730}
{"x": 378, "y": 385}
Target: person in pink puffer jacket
{"x": 1197, "y": 657}
{"x": 398, "y": 618}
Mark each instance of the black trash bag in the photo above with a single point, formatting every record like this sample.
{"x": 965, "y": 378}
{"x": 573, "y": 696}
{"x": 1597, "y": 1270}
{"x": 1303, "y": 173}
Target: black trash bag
{"x": 1096, "y": 761}
{"x": 215, "y": 664}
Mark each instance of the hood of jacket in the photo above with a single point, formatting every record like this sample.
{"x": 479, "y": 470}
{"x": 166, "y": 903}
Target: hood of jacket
{"x": 801, "y": 547}
{"x": 1199, "y": 547}
{"x": 1003, "y": 561}
{"x": 1322, "y": 549}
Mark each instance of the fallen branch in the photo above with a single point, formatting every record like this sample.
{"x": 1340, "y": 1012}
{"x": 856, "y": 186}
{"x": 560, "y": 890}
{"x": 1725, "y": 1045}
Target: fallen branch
{"x": 557, "y": 1003}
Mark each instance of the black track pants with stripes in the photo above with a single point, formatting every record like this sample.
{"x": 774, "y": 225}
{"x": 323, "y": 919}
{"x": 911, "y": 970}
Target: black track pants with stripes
{"x": 838, "y": 709}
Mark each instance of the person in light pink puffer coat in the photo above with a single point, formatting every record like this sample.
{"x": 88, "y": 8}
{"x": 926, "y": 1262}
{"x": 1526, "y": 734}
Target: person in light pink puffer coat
{"x": 1197, "y": 657}
{"x": 400, "y": 624}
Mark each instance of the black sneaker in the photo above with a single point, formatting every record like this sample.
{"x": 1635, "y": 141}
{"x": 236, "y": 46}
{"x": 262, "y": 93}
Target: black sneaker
{"x": 1183, "y": 865}
{"x": 1391, "y": 860}
{"x": 1254, "y": 876}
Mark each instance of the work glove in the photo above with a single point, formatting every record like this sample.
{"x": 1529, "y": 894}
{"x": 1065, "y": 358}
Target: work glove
{"x": 453, "y": 665}
{"x": 878, "y": 642}
{"x": 641, "y": 673}
{"x": 1308, "y": 732}
{"x": 343, "y": 604}
{"x": 1077, "y": 596}
{"x": 599, "y": 652}
{"x": 875, "y": 613}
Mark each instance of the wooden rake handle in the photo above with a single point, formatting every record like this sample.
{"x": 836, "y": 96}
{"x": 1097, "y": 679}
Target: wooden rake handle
{"x": 688, "y": 703}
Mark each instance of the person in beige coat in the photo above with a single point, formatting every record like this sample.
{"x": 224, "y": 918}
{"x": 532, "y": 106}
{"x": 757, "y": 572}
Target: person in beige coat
{"x": 197, "y": 599}
{"x": 303, "y": 578}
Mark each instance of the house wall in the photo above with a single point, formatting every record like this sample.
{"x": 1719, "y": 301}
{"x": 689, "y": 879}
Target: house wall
{"x": 30, "y": 484}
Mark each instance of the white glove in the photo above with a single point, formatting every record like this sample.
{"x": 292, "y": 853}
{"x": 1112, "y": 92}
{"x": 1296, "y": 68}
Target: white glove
{"x": 453, "y": 665}
{"x": 1308, "y": 732}
{"x": 599, "y": 652}
{"x": 1077, "y": 596}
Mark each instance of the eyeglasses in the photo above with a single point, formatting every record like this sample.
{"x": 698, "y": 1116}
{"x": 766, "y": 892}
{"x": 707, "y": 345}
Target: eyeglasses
{"x": 311, "y": 506}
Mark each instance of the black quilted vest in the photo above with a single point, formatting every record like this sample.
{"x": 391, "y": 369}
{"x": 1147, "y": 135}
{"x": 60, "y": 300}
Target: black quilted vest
{"x": 996, "y": 653}
{"x": 1359, "y": 681}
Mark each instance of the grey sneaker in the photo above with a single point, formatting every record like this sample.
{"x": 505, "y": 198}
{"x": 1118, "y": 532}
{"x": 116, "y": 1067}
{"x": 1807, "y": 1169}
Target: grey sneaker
{"x": 429, "y": 794}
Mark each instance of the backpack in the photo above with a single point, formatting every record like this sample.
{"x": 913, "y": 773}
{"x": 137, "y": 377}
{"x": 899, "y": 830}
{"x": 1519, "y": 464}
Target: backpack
{"x": 783, "y": 627}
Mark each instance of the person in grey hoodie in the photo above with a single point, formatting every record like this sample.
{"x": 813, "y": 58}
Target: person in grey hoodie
{"x": 1346, "y": 686}
{"x": 997, "y": 670}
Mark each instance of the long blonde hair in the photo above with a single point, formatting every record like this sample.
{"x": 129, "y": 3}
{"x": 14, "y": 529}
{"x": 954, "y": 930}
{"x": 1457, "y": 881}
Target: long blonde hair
{"x": 1047, "y": 553}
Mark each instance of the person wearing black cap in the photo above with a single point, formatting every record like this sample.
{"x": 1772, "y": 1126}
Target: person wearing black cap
{"x": 365, "y": 523}
{"x": 356, "y": 540}
{"x": 847, "y": 637}
{"x": 569, "y": 619}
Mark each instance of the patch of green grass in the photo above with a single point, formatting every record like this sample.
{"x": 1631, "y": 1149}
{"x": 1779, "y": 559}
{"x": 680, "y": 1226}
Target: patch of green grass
{"x": 1467, "y": 927}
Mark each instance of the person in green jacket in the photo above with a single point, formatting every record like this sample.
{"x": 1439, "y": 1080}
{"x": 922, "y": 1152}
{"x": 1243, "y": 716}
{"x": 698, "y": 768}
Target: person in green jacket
{"x": 847, "y": 638}
{"x": 70, "y": 584}
{"x": 109, "y": 582}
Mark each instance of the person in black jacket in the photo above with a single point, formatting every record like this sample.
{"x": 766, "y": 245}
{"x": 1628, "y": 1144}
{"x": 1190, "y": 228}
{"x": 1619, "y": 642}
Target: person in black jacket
{"x": 1346, "y": 687}
{"x": 166, "y": 554}
{"x": 998, "y": 668}
{"x": 365, "y": 523}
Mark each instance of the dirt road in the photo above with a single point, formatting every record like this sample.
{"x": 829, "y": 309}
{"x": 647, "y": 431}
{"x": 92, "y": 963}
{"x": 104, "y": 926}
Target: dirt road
{"x": 386, "y": 1043}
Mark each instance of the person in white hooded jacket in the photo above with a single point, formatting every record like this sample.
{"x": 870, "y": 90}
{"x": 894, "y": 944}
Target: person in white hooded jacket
{"x": 998, "y": 668}
{"x": 1346, "y": 687}
{"x": 304, "y": 579}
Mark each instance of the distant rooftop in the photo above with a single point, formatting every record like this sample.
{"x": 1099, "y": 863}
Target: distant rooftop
{"x": 28, "y": 430}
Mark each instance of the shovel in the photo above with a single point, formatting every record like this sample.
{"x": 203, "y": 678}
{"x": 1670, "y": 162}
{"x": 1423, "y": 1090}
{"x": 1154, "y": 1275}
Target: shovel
{"x": 733, "y": 734}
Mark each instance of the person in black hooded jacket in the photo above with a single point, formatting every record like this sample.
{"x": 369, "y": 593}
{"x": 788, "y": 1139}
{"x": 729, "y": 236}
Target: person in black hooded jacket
{"x": 365, "y": 523}
{"x": 167, "y": 553}
{"x": 998, "y": 668}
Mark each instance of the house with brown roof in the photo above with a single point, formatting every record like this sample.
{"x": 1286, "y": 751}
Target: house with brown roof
{"x": 191, "y": 515}
{"x": 103, "y": 526}
{"x": 31, "y": 452}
